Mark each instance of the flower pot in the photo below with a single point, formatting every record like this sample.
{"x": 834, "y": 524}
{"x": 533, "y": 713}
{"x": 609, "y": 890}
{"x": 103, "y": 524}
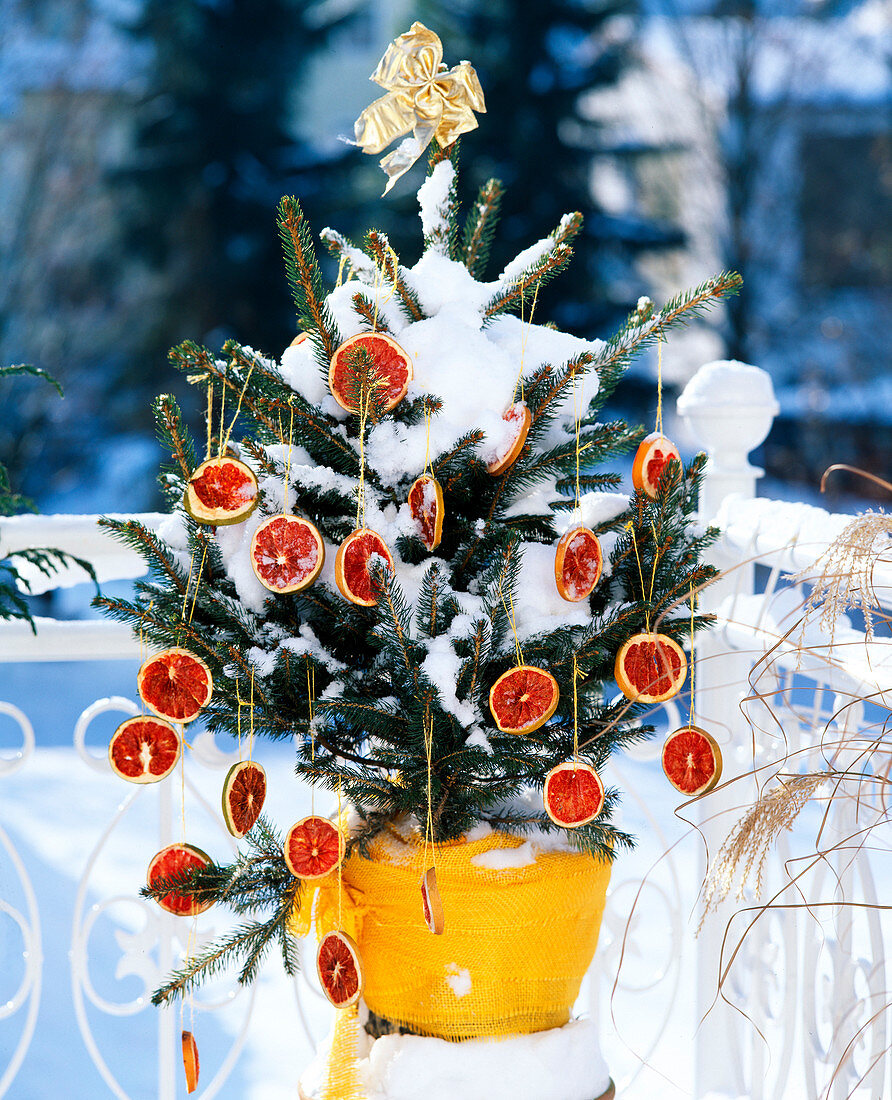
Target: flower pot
{"x": 521, "y": 928}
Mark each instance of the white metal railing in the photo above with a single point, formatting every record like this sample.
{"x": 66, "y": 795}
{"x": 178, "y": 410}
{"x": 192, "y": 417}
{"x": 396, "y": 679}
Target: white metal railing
{"x": 800, "y": 985}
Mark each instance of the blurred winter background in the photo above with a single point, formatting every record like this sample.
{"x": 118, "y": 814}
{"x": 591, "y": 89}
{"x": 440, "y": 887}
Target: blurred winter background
{"x": 145, "y": 144}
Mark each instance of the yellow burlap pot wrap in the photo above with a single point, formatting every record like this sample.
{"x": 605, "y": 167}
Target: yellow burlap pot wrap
{"x": 520, "y": 934}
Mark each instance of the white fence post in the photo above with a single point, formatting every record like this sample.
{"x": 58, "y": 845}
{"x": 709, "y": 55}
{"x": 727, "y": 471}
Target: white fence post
{"x": 729, "y": 409}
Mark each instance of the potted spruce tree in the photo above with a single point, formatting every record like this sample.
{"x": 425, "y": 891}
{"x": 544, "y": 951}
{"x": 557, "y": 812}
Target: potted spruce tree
{"x": 404, "y": 548}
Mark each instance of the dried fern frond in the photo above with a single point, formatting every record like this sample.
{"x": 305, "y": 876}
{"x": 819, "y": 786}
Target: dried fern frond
{"x": 748, "y": 842}
{"x": 846, "y": 571}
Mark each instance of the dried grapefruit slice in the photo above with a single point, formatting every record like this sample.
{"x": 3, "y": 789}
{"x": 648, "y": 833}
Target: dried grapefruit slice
{"x": 426, "y": 509}
{"x": 577, "y": 564}
{"x": 393, "y": 364}
{"x": 356, "y": 554}
{"x": 177, "y": 859}
{"x": 431, "y": 903}
{"x": 523, "y": 699}
{"x": 314, "y": 846}
{"x": 287, "y": 554}
{"x": 692, "y": 760}
{"x": 190, "y": 1061}
{"x": 339, "y": 966}
{"x": 651, "y": 458}
{"x": 573, "y": 794}
{"x": 221, "y": 491}
{"x": 144, "y": 749}
{"x": 520, "y": 418}
{"x": 650, "y": 668}
{"x": 175, "y": 684}
{"x": 244, "y": 791}
{"x": 299, "y": 339}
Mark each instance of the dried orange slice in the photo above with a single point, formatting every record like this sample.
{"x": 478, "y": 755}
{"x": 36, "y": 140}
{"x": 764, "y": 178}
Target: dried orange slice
{"x": 573, "y": 794}
{"x": 426, "y": 509}
{"x": 144, "y": 749}
{"x": 244, "y": 792}
{"x": 692, "y": 760}
{"x": 431, "y": 903}
{"x": 650, "y": 668}
{"x": 520, "y": 418}
{"x": 653, "y": 454}
{"x": 356, "y": 555}
{"x": 339, "y": 966}
{"x": 190, "y": 1061}
{"x": 175, "y": 684}
{"x": 176, "y": 859}
{"x": 393, "y": 364}
{"x": 221, "y": 491}
{"x": 313, "y": 847}
{"x": 287, "y": 554}
{"x": 299, "y": 339}
{"x": 523, "y": 699}
{"x": 577, "y": 564}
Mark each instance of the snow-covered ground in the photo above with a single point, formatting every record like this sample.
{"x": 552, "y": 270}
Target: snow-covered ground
{"x": 55, "y": 810}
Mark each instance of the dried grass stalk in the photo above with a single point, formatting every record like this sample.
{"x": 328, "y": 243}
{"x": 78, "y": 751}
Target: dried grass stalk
{"x": 846, "y": 571}
{"x": 746, "y": 846}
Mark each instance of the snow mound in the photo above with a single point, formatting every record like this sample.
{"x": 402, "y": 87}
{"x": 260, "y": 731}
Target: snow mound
{"x": 405, "y": 1067}
{"x": 727, "y": 382}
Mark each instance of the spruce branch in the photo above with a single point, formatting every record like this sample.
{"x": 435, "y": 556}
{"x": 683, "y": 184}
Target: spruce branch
{"x": 149, "y": 546}
{"x": 480, "y": 227}
{"x": 613, "y": 358}
{"x": 392, "y": 274}
{"x": 369, "y": 313}
{"x": 523, "y": 288}
{"x": 173, "y": 434}
{"x": 443, "y": 238}
{"x": 305, "y": 280}
{"x": 343, "y": 249}
{"x": 15, "y": 585}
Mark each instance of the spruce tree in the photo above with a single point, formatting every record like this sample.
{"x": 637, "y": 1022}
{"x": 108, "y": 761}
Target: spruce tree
{"x": 389, "y": 702}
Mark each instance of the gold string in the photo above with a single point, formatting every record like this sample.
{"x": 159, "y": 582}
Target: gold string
{"x": 360, "y": 488}
{"x": 512, "y": 620}
{"x": 222, "y": 421}
{"x": 251, "y": 734}
{"x": 311, "y": 692}
{"x": 288, "y": 460}
{"x": 210, "y": 417}
{"x": 342, "y": 262}
{"x": 693, "y": 662}
{"x": 340, "y": 862}
{"x": 428, "y": 728}
{"x": 183, "y": 784}
{"x": 523, "y": 345}
{"x": 577, "y": 418}
{"x": 653, "y": 572}
{"x": 427, "y": 440}
{"x": 379, "y": 283}
{"x": 238, "y": 409}
{"x": 188, "y": 585}
{"x": 660, "y": 383}
{"x": 575, "y": 715}
{"x": 197, "y": 583}
{"x": 238, "y": 719}
{"x": 630, "y": 527}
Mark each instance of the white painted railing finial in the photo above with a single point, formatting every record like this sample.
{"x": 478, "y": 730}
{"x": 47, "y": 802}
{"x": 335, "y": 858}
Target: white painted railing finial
{"x": 729, "y": 408}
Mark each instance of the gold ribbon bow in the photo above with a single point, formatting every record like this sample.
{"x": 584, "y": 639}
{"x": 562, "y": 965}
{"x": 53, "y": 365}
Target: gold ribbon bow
{"x": 422, "y": 96}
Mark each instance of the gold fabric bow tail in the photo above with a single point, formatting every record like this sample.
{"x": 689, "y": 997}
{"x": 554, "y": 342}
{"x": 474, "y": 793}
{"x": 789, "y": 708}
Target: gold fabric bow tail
{"x": 422, "y": 97}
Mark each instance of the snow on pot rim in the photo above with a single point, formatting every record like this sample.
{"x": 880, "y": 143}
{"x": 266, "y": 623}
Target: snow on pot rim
{"x": 404, "y": 1067}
